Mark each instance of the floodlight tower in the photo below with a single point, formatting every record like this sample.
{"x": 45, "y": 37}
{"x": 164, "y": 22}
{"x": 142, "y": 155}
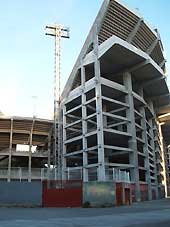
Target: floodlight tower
{"x": 58, "y": 31}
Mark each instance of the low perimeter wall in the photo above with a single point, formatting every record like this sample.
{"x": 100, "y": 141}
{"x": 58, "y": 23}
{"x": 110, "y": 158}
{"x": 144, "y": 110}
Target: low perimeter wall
{"x": 21, "y": 193}
{"x": 99, "y": 193}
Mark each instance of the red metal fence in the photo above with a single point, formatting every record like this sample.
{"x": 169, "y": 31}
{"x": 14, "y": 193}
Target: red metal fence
{"x": 62, "y": 193}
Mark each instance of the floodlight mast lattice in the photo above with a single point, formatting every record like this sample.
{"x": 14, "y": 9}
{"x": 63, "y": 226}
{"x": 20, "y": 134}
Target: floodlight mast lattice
{"x": 58, "y": 31}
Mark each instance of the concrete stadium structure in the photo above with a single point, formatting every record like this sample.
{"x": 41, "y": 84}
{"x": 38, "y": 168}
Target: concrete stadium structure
{"x": 112, "y": 100}
{"x": 18, "y": 163}
{"x": 114, "y": 127}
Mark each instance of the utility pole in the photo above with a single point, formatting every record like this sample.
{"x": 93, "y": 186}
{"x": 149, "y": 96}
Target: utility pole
{"x": 58, "y": 31}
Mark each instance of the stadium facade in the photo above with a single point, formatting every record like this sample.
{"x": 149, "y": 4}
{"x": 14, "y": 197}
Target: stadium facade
{"x": 111, "y": 103}
{"x": 114, "y": 123}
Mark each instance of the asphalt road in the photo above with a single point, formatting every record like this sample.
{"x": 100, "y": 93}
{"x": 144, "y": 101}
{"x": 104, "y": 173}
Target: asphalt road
{"x": 152, "y": 214}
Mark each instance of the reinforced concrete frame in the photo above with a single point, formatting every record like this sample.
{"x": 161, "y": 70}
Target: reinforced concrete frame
{"x": 20, "y": 163}
{"x": 109, "y": 113}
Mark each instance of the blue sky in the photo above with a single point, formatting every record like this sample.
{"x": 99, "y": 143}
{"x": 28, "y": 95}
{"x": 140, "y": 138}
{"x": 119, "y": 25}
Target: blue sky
{"x": 27, "y": 55}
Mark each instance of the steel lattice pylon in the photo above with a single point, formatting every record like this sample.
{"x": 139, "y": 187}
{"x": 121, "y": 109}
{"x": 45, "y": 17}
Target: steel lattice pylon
{"x": 58, "y": 31}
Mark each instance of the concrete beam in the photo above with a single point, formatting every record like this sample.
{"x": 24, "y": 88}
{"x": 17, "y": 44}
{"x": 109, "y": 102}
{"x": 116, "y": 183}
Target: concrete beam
{"x": 116, "y": 117}
{"x": 92, "y": 122}
{"x": 73, "y": 139}
{"x": 91, "y": 116}
{"x": 134, "y": 31}
{"x": 73, "y": 109}
{"x": 91, "y": 100}
{"x": 91, "y": 148}
{"x": 114, "y": 85}
{"x": 73, "y": 153}
{"x": 138, "y": 97}
{"x": 117, "y": 132}
{"x": 118, "y": 110}
{"x": 73, "y": 116}
{"x": 152, "y": 46}
{"x": 115, "y": 101}
{"x": 162, "y": 63}
{"x": 149, "y": 82}
{"x": 120, "y": 165}
{"x": 91, "y": 133}
{"x": 117, "y": 148}
{"x": 91, "y": 107}
{"x": 117, "y": 124}
{"x": 72, "y": 124}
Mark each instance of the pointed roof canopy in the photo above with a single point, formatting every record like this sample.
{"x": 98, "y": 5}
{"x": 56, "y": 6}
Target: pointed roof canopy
{"x": 117, "y": 25}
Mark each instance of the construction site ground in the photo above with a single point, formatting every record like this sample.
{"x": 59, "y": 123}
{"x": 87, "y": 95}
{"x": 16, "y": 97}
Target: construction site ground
{"x": 153, "y": 213}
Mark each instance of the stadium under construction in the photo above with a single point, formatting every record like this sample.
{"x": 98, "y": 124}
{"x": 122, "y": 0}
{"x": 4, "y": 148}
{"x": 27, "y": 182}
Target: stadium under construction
{"x": 113, "y": 113}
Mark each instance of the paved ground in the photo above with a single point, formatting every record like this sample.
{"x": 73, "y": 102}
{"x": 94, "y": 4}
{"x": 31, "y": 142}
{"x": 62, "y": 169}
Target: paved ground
{"x": 152, "y": 214}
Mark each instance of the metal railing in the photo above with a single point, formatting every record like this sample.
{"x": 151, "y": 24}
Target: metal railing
{"x": 121, "y": 176}
{"x": 113, "y": 174}
{"x": 22, "y": 173}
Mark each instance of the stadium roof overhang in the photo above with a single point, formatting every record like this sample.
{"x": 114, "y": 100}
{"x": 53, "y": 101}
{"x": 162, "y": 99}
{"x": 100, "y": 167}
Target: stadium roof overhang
{"x": 117, "y": 20}
{"x": 21, "y": 128}
{"x": 118, "y": 56}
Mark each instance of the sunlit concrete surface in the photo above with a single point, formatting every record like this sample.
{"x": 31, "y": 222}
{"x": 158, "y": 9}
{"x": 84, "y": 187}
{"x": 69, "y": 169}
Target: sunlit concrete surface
{"x": 153, "y": 213}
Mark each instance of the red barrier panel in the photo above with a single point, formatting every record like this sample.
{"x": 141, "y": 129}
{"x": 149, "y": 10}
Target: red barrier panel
{"x": 133, "y": 192}
{"x": 119, "y": 194}
{"x": 62, "y": 197}
{"x": 70, "y": 196}
{"x": 144, "y": 192}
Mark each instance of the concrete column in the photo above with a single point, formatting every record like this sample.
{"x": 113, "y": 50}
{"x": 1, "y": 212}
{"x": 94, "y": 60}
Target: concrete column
{"x": 100, "y": 133}
{"x": 30, "y": 152}
{"x": 133, "y": 156}
{"x": 64, "y": 161}
{"x": 150, "y": 103}
{"x": 104, "y": 117}
{"x": 10, "y": 151}
{"x": 59, "y": 144}
{"x": 145, "y": 138}
{"x": 84, "y": 126}
{"x": 145, "y": 147}
{"x": 98, "y": 93}
{"x": 49, "y": 154}
{"x": 164, "y": 182}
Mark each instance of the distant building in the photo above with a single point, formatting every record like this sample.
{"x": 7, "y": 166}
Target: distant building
{"x": 24, "y": 148}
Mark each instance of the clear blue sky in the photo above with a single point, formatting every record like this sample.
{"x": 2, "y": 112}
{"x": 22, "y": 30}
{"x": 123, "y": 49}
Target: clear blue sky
{"x": 27, "y": 55}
